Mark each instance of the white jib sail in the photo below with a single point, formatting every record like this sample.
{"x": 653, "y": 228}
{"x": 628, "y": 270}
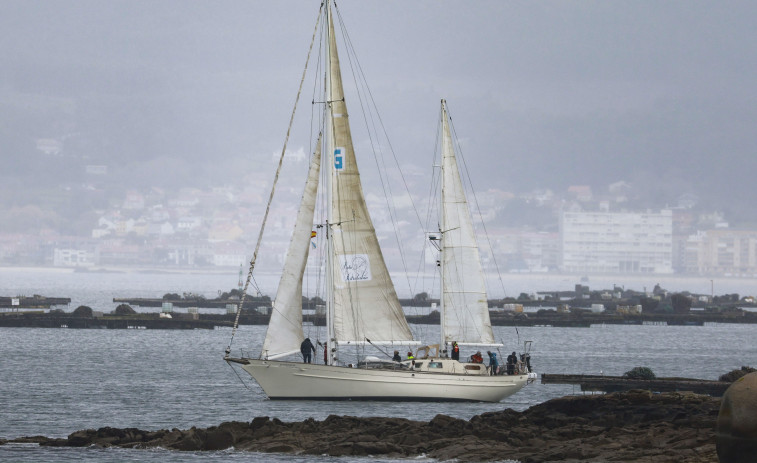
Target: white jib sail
{"x": 284, "y": 334}
{"x": 466, "y": 311}
{"x": 365, "y": 302}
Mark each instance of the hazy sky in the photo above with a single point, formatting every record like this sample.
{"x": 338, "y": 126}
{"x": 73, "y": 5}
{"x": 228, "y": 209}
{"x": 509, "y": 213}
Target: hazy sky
{"x": 550, "y": 92}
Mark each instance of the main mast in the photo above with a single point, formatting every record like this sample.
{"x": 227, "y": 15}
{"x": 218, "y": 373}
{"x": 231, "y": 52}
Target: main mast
{"x": 442, "y": 225}
{"x": 331, "y": 344}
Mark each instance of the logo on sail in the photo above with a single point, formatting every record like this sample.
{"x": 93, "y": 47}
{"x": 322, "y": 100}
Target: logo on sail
{"x": 355, "y": 267}
{"x": 338, "y": 159}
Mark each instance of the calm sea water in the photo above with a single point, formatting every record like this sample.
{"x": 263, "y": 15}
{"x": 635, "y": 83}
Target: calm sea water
{"x": 56, "y": 381}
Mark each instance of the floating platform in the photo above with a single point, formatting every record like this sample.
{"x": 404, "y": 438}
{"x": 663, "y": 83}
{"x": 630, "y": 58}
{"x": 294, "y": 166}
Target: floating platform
{"x": 142, "y": 322}
{"x": 32, "y": 302}
{"x": 249, "y": 303}
{"x": 586, "y": 320}
{"x": 619, "y": 383}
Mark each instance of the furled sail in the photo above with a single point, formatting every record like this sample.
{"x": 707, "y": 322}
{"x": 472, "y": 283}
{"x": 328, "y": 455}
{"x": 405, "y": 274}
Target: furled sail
{"x": 364, "y": 299}
{"x": 284, "y": 334}
{"x": 465, "y": 308}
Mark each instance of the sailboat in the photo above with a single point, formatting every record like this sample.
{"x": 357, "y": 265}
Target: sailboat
{"x": 362, "y": 307}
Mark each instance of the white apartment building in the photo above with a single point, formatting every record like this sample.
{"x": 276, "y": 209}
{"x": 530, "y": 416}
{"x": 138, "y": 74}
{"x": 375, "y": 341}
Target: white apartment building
{"x": 66, "y": 257}
{"x": 721, "y": 252}
{"x": 616, "y": 242}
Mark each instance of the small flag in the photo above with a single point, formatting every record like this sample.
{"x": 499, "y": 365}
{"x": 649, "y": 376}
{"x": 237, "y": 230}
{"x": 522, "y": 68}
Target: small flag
{"x": 313, "y": 244}
{"x": 313, "y": 234}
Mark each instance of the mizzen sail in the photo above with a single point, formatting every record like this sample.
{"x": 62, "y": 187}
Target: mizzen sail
{"x": 465, "y": 308}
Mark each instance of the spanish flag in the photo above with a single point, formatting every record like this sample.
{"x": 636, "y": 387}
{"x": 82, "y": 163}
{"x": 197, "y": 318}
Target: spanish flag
{"x": 313, "y": 234}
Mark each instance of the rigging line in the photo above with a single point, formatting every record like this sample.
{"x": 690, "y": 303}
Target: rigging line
{"x": 381, "y": 123}
{"x": 352, "y": 59}
{"x": 354, "y": 64}
{"x": 433, "y": 188}
{"x": 237, "y": 373}
{"x": 316, "y": 81}
{"x": 478, "y": 209}
{"x": 430, "y": 208}
{"x": 378, "y": 348}
{"x": 320, "y": 195}
{"x": 273, "y": 187}
{"x": 274, "y": 307}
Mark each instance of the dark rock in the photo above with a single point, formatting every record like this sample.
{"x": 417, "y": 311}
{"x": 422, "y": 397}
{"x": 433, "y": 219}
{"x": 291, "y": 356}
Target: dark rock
{"x": 634, "y": 426}
{"x": 125, "y": 309}
{"x": 83, "y": 311}
{"x": 733, "y": 375}
{"x": 737, "y": 422}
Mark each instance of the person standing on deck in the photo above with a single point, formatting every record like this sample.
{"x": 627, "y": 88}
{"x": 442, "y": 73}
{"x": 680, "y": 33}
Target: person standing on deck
{"x": 512, "y": 359}
{"x": 455, "y": 351}
{"x": 493, "y": 363}
{"x": 306, "y": 349}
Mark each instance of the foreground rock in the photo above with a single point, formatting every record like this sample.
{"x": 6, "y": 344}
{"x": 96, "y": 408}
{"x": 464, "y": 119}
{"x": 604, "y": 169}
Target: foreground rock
{"x": 634, "y": 426}
{"x": 737, "y": 422}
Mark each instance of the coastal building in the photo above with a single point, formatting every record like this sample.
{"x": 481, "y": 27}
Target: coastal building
{"x": 74, "y": 257}
{"x": 616, "y": 242}
{"x": 539, "y": 250}
{"x": 722, "y": 251}
{"x": 229, "y": 255}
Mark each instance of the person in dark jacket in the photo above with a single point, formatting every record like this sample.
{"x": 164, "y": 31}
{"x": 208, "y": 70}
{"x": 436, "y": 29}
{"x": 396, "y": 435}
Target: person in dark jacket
{"x": 512, "y": 359}
{"x": 306, "y": 349}
{"x": 397, "y": 357}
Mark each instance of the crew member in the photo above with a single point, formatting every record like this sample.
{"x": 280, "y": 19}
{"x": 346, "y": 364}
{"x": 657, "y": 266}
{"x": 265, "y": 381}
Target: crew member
{"x": 493, "y": 363}
{"x": 512, "y": 359}
{"x": 306, "y": 349}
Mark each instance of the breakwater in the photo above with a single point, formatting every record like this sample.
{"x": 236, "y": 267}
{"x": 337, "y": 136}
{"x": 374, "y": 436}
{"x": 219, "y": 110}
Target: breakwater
{"x": 620, "y": 383}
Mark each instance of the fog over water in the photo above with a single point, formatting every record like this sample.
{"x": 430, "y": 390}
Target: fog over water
{"x": 178, "y": 94}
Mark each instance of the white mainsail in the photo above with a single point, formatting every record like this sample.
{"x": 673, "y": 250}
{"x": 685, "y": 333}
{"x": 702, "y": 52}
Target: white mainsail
{"x": 465, "y": 308}
{"x": 284, "y": 334}
{"x": 365, "y": 304}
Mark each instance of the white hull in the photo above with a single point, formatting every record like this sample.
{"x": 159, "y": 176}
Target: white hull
{"x": 303, "y": 381}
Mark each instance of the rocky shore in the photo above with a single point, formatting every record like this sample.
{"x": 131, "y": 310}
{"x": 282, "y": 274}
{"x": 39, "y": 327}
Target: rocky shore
{"x": 634, "y": 426}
